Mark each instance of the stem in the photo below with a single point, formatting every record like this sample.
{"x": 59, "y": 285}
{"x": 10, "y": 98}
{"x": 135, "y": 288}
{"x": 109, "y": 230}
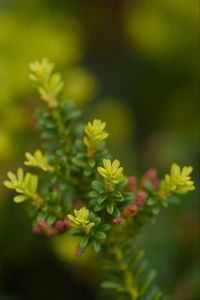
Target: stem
{"x": 128, "y": 277}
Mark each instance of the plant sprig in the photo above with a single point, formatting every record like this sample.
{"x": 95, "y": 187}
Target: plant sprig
{"x": 80, "y": 191}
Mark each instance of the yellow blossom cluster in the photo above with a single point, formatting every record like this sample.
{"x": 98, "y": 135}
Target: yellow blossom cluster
{"x": 94, "y": 133}
{"x": 178, "y": 181}
{"x": 38, "y": 159}
{"x": 80, "y": 219}
{"x": 112, "y": 173}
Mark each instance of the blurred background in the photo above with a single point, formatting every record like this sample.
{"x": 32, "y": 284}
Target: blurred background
{"x": 134, "y": 65}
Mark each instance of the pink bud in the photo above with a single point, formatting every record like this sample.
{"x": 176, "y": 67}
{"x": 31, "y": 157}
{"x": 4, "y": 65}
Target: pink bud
{"x": 78, "y": 252}
{"x": 133, "y": 208}
{"x": 130, "y": 210}
{"x": 43, "y": 225}
{"x": 151, "y": 173}
{"x": 132, "y": 182}
{"x": 62, "y": 225}
{"x": 141, "y": 198}
{"x": 36, "y": 230}
{"x": 46, "y": 228}
{"x": 117, "y": 220}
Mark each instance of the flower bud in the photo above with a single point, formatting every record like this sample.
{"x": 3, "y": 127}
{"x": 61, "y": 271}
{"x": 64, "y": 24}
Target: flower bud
{"x": 117, "y": 220}
{"x": 132, "y": 182}
{"x": 78, "y": 252}
{"x": 141, "y": 198}
{"x": 130, "y": 210}
{"x": 47, "y": 229}
{"x": 37, "y": 230}
{"x": 151, "y": 175}
{"x": 61, "y": 225}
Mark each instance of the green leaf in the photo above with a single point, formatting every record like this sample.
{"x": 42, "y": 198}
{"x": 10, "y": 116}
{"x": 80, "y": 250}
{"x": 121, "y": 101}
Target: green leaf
{"x": 48, "y": 134}
{"x": 20, "y": 198}
{"x": 91, "y": 163}
{"x": 102, "y": 198}
{"x": 87, "y": 172}
{"x": 137, "y": 259}
{"x": 51, "y": 219}
{"x": 129, "y": 196}
{"x": 100, "y": 235}
{"x": 156, "y": 210}
{"x": 105, "y": 227}
{"x": 148, "y": 281}
{"x": 116, "y": 194}
{"x": 153, "y": 293}
{"x": 93, "y": 218}
{"x": 93, "y": 194}
{"x": 41, "y": 216}
{"x": 157, "y": 296}
{"x": 76, "y": 231}
{"x": 151, "y": 201}
{"x": 120, "y": 199}
{"x": 98, "y": 186}
{"x": 122, "y": 183}
{"x": 73, "y": 115}
{"x": 165, "y": 203}
{"x": 110, "y": 208}
{"x": 97, "y": 246}
{"x": 99, "y": 207}
{"x": 84, "y": 242}
{"x": 116, "y": 212}
{"x": 112, "y": 285}
{"x": 173, "y": 199}
{"x": 148, "y": 186}
{"x": 50, "y": 124}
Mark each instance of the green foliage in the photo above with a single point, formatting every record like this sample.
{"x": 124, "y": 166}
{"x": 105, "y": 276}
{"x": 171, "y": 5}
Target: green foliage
{"x": 132, "y": 278}
{"x": 83, "y": 193}
{"x": 111, "y": 200}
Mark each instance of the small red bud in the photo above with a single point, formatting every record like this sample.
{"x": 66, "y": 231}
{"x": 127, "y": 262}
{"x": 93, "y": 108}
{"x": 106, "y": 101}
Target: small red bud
{"x": 36, "y": 230}
{"x": 60, "y": 226}
{"x": 130, "y": 210}
{"x": 155, "y": 182}
{"x": 132, "y": 182}
{"x": 141, "y": 198}
{"x": 46, "y": 228}
{"x": 151, "y": 175}
{"x": 78, "y": 252}
{"x": 43, "y": 224}
{"x": 117, "y": 220}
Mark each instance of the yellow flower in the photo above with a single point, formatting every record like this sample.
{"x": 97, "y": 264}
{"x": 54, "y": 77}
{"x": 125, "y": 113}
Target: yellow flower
{"x": 112, "y": 173}
{"x": 49, "y": 84}
{"x": 178, "y": 181}
{"x": 41, "y": 70}
{"x": 26, "y": 185}
{"x": 37, "y": 160}
{"x": 80, "y": 219}
{"x": 94, "y": 133}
